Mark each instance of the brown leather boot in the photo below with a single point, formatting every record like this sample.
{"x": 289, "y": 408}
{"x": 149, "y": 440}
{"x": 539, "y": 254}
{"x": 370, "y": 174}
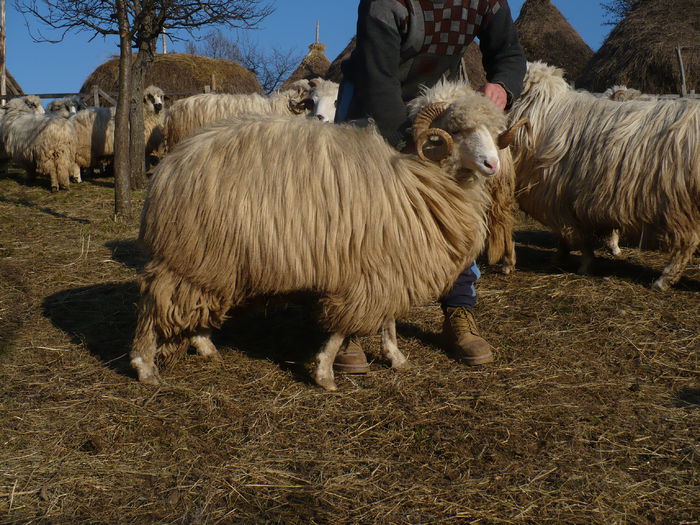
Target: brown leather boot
{"x": 350, "y": 359}
{"x": 463, "y": 337}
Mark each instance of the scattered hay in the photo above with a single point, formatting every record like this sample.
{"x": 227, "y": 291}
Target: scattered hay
{"x": 590, "y": 414}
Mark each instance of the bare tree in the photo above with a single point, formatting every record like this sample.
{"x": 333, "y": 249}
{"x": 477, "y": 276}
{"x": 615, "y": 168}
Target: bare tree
{"x": 140, "y": 23}
{"x": 618, "y": 9}
{"x": 271, "y": 68}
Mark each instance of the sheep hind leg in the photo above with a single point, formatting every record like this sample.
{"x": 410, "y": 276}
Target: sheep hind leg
{"x": 391, "y": 347}
{"x": 204, "y": 346}
{"x": 143, "y": 352}
{"x": 324, "y": 362}
{"x": 679, "y": 260}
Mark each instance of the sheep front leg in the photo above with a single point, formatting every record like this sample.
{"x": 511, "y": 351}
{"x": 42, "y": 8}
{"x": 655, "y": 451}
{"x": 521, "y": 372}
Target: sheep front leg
{"x": 390, "y": 346}
{"x": 587, "y": 257}
{"x": 324, "y": 362}
{"x": 612, "y": 243}
{"x": 680, "y": 258}
{"x": 204, "y": 346}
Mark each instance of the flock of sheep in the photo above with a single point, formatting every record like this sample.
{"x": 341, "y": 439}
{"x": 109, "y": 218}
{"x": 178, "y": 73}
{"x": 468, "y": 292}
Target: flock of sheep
{"x": 371, "y": 231}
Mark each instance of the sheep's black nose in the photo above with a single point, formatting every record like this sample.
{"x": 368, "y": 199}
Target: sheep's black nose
{"x": 320, "y": 117}
{"x": 158, "y": 107}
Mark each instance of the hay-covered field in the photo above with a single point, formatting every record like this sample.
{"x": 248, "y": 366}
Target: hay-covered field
{"x": 591, "y": 413}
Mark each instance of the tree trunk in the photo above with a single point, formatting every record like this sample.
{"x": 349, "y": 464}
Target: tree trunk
{"x": 122, "y": 164}
{"x": 143, "y": 58}
{"x": 137, "y": 145}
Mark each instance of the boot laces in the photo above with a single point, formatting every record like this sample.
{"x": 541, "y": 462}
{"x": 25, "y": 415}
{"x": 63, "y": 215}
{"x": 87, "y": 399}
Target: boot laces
{"x": 462, "y": 320}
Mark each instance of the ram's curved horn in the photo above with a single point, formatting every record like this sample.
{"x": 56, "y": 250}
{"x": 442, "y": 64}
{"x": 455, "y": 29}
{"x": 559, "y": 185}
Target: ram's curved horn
{"x": 422, "y": 132}
{"x": 505, "y": 138}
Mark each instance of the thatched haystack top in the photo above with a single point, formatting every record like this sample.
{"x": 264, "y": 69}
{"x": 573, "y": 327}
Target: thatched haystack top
{"x": 472, "y": 62}
{"x": 181, "y": 73}
{"x": 313, "y": 65}
{"x": 641, "y": 51}
{"x": 11, "y": 85}
{"x": 546, "y": 35}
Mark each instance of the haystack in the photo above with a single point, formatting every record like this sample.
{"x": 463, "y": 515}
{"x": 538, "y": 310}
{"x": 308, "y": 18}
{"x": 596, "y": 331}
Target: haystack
{"x": 547, "y": 36}
{"x": 334, "y": 73}
{"x": 179, "y": 73}
{"x": 313, "y": 65}
{"x": 471, "y": 63}
{"x": 11, "y": 85}
{"x": 641, "y": 51}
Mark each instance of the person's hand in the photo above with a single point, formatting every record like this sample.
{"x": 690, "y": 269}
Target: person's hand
{"x": 495, "y": 93}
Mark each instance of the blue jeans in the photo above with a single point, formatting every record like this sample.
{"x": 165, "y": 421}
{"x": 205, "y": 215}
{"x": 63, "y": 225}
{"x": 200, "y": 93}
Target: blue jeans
{"x": 463, "y": 291}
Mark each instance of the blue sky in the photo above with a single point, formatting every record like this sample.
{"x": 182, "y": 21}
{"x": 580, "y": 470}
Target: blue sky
{"x": 62, "y": 67}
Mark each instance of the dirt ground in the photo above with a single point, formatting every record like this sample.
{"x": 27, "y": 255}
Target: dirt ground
{"x": 591, "y": 413}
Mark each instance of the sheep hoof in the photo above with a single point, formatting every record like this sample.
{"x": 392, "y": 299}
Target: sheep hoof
{"x": 401, "y": 364}
{"x": 507, "y": 270}
{"x": 327, "y": 383}
{"x": 659, "y": 285}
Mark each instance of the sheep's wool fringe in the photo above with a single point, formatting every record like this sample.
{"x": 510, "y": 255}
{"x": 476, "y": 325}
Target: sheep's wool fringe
{"x": 594, "y": 164}
{"x": 240, "y": 210}
{"x": 191, "y": 113}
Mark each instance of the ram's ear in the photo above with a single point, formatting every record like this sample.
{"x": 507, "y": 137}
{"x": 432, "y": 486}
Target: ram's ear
{"x": 506, "y": 138}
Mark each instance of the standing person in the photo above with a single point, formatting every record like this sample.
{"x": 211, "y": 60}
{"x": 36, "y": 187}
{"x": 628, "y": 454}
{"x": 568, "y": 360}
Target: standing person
{"x": 402, "y": 45}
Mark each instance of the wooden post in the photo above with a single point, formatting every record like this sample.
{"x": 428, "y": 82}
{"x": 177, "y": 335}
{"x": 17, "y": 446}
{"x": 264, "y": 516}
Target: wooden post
{"x": 213, "y": 82}
{"x": 165, "y": 47}
{"x": 3, "y": 70}
{"x": 96, "y": 96}
{"x": 684, "y": 89}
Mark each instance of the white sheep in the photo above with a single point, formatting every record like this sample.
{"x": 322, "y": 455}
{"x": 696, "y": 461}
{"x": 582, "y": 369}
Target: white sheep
{"x": 369, "y": 230}
{"x": 594, "y": 166}
{"x": 189, "y": 114}
{"x": 323, "y": 96}
{"x": 41, "y": 143}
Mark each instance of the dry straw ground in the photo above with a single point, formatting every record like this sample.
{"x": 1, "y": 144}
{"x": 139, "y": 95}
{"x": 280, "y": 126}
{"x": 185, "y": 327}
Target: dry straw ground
{"x": 591, "y": 413}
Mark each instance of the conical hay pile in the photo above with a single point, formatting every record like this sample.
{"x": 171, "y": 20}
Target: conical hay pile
{"x": 313, "y": 65}
{"x": 641, "y": 51}
{"x": 546, "y": 35}
{"x": 181, "y": 73}
{"x": 11, "y": 85}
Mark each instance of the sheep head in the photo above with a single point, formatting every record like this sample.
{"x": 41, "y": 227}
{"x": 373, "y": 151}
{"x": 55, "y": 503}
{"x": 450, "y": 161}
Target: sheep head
{"x": 464, "y": 135}
{"x": 153, "y": 99}
{"x": 323, "y": 97}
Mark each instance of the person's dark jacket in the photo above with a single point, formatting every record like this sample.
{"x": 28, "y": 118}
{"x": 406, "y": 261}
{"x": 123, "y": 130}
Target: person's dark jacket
{"x": 403, "y": 44}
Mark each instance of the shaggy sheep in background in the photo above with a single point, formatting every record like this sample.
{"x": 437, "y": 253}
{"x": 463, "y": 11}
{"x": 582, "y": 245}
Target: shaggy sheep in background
{"x": 41, "y": 143}
{"x": 95, "y": 129}
{"x": 66, "y": 107}
{"x": 371, "y": 231}
{"x": 623, "y": 93}
{"x": 28, "y": 104}
{"x": 593, "y": 166}
{"x": 189, "y": 114}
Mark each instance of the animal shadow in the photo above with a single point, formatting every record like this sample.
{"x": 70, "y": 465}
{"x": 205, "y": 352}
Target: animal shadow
{"x": 101, "y": 317}
{"x": 687, "y": 398}
{"x": 536, "y": 252}
{"x": 128, "y": 253}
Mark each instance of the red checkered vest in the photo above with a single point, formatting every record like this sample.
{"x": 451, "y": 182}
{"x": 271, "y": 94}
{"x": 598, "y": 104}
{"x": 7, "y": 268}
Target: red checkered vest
{"x": 435, "y": 35}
